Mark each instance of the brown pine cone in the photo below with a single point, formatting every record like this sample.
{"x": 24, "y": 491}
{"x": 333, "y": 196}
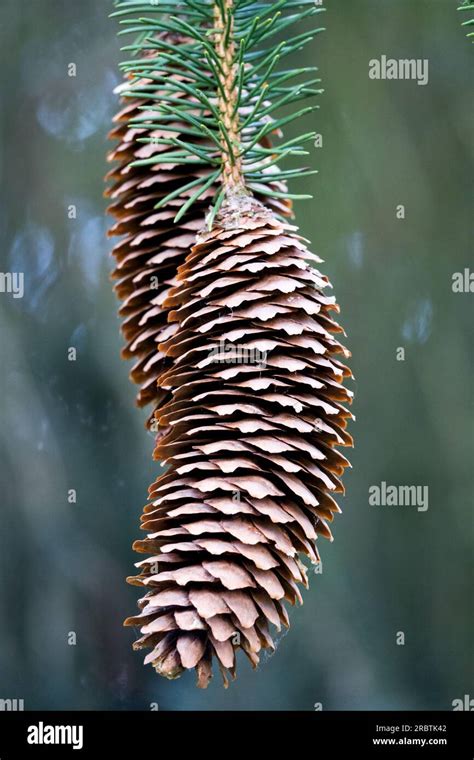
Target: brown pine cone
{"x": 253, "y": 415}
{"x": 154, "y": 246}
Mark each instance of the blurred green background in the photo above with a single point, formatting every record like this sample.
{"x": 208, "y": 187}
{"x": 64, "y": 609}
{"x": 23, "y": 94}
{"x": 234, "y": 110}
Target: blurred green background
{"x": 73, "y": 425}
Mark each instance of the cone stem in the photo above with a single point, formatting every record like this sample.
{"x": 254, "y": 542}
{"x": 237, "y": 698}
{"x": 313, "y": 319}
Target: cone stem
{"x": 228, "y": 95}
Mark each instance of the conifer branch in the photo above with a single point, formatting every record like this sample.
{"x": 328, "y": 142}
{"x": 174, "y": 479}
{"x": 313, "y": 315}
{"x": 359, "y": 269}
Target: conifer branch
{"x": 227, "y": 66}
{"x": 229, "y": 92}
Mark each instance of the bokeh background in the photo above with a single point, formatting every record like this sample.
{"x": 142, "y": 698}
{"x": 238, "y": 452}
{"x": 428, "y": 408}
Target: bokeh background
{"x": 68, "y": 425}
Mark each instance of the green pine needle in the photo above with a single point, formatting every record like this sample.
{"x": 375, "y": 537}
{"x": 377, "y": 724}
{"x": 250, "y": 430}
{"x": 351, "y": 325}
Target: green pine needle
{"x": 181, "y": 83}
{"x": 467, "y": 6}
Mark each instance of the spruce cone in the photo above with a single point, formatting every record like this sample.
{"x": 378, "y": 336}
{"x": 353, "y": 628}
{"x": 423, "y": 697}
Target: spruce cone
{"x": 148, "y": 257}
{"x": 154, "y": 246}
{"x": 253, "y": 414}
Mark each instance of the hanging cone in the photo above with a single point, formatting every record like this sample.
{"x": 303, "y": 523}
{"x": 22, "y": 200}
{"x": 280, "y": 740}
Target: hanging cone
{"x": 154, "y": 245}
{"x": 234, "y": 340}
{"x": 254, "y": 412}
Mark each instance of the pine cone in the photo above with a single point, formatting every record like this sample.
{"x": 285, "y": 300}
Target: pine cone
{"x": 154, "y": 246}
{"x": 238, "y": 339}
{"x": 253, "y": 413}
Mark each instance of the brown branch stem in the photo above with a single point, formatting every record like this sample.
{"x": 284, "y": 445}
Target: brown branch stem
{"x": 232, "y": 175}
